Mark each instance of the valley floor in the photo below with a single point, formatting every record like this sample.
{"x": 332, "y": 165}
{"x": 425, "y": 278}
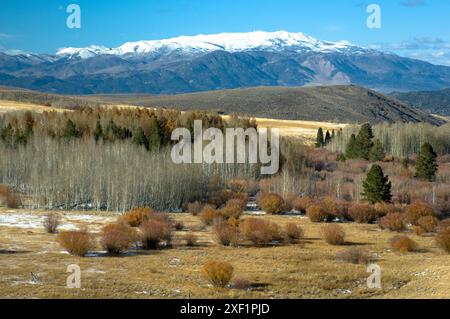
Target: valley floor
{"x": 33, "y": 265}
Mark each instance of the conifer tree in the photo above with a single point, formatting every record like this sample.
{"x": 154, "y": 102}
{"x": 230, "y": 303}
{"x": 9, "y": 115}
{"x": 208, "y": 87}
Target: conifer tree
{"x": 140, "y": 139}
{"x": 352, "y": 151}
{"x": 364, "y": 141}
{"x": 154, "y": 137}
{"x": 327, "y": 138}
{"x": 71, "y": 130}
{"x": 98, "y": 133}
{"x": 320, "y": 139}
{"x": 426, "y": 166}
{"x": 377, "y": 187}
{"x": 377, "y": 153}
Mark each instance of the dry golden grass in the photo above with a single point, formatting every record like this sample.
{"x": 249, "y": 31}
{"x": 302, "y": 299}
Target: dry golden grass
{"x": 304, "y": 270}
{"x": 13, "y": 106}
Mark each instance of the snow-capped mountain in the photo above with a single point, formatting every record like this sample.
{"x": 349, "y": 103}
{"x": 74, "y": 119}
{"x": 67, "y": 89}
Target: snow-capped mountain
{"x": 230, "y": 42}
{"x": 221, "y": 61}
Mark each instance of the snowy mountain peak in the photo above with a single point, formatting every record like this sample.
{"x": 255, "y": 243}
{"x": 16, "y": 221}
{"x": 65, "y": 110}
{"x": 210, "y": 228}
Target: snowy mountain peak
{"x": 231, "y": 42}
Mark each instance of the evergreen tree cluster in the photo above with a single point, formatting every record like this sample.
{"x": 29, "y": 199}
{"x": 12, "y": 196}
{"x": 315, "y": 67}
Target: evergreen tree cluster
{"x": 323, "y": 140}
{"x": 364, "y": 146}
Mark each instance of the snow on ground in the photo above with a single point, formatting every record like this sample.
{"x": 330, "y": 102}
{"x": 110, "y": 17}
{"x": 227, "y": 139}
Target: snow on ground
{"x": 35, "y": 221}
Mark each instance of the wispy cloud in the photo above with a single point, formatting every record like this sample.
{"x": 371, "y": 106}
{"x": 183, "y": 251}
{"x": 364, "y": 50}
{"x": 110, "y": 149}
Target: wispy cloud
{"x": 431, "y": 49}
{"x": 6, "y": 36}
{"x": 413, "y": 3}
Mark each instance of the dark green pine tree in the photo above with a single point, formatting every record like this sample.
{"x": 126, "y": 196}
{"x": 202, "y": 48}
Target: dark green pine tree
{"x": 98, "y": 132}
{"x": 7, "y": 134}
{"x": 71, "y": 130}
{"x": 320, "y": 139}
{"x": 377, "y": 153}
{"x": 154, "y": 137}
{"x": 377, "y": 187}
{"x": 327, "y": 138}
{"x": 333, "y": 134}
{"x": 364, "y": 141}
{"x": 426, "y": 167}
{"x": 140, "y": 139}
{"x": 352, "y": 150}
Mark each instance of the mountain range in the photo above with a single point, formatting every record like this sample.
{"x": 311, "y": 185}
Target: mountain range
{"x": 222, "y": 61}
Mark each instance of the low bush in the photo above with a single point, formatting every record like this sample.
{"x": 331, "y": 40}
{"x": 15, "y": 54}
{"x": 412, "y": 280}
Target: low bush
{"x": 443, "y": 238}
{"x": 218, "y": 273}
{"x": 51, "y": 223}
{"x": 419, "y": 209}
{"x": 330, "y": 207}
{"x": 301, "y": 204}
{"x": 191, "y": 239}
{"x": 427, "y": 223}
{"x": 259, "y": 231}
{"x": 233, "y": 209}
{"x": 155, "y": 231}
{"x": 179, "y": 226}
{"x": 226, "y": 233}
{"x": 194, "y": 208}
{"x": 8, "y": 198}
{"x": 362, "y": 213}
{"x": 316, "y": 214}
{"x": 242, "y": 284}
{"x": 117, "y": 237}
{"x": 393, "y": 222}
{"x": 293, "y": 232}
{"x": 272, "y": 203}
{"x": 383, "y": 209}
{"x": 136, "y": 216}
{"x": 208, "y": 215}
{"x": 403, "y": 244}
{"x": 354, "y": 256}
{"x": 443, "y": 224}
{"x": 76, "y": 242}
{"x": 333, "y": 234}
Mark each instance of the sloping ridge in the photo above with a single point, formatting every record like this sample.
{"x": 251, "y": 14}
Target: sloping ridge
{"x": 344, "y": 104}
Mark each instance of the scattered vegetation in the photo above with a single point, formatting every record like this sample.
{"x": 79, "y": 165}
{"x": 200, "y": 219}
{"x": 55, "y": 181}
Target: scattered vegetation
{"x": 51, "y": 222}
{"x": 354, "y": 256}
{"x": 218, "y": 273}
{"x": 333, "y": 234}
{"x": 117, "y": 238}
{"x": 76, "y": 242}
{"x": 403, "y": 244}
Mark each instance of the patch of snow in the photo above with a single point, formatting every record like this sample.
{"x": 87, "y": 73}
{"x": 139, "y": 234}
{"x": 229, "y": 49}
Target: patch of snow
{"x": 230, "y": 42}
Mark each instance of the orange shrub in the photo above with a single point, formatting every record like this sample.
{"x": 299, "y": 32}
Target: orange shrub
{"x": 316, "y": 214}
{"x": 136, "y": 216}
{"x": 233, "y": 208}
{"x": 225, "y": 233}
{"x": 403, "y": 244}
{"x": 443, "y": 238}
{"x": 154, "y": 232}
{"x": 272, "y": 203}
{"x": 443, "y": 224}
{"x": 117, "y": 237}
{"x": 382, "y": 209}
{"x": 194, "y": 208}
{"x": 13, "y": 200}
{"x": 51, "y": 223}
{"x": 259, "y": 231}
{"x": 393, "y": 221}
{"x": 289, "y": 199}
{"x": 330, "y": 207}
{"x": 362, "y": 213}
{"x": 76, "y": 242}
{"x": 218, "y": 273}
{"x": 208, "y": 215}
{"x": 354, "y": 256}
{"x": 301, "y": 204}
{"x": 333, "y": 234}
{"x": 427, "y": 223}
{"x": 415, "y": 211}
{"x": 293, "y": 232}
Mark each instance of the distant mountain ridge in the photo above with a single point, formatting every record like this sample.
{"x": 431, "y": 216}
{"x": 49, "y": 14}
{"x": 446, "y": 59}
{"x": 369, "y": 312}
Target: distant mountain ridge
{"x": 216, "y": 62}
{"x": 436, "y": 102}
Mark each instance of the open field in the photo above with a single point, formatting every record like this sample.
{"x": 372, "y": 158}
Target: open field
{"x": 12, "y": 106}
{"x": 304, "y": 270}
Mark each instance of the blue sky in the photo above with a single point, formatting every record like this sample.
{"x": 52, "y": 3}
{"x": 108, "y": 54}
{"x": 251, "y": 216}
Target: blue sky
{"x": 416, "y": 28}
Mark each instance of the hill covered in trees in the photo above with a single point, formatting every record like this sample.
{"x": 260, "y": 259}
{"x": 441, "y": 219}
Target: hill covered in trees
{"x": 344, "y": 104}
{"x": 437, "y": 102}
